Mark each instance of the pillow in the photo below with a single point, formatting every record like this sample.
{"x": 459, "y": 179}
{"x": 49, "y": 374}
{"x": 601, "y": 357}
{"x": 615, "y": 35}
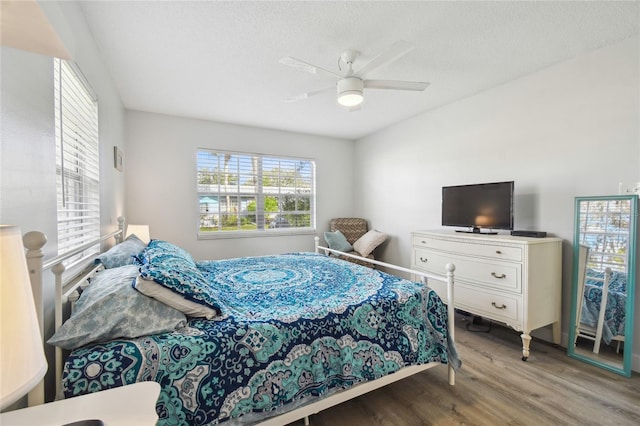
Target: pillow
{"x": 173, "y": 249}
{"x": 175, "y": 300}
{"x": 182, "y": 277}
{"x": 368, "y": 242}
{"x": 110, "y": 308}
{"x": 337, "y": 241}
{"x": 122, "y": 254}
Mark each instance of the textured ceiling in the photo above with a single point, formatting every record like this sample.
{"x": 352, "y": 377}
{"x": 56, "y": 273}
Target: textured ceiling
{"x": 219, "y": 60}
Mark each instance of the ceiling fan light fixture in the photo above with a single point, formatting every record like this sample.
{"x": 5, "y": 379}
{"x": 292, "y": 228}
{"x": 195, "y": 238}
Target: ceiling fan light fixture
{"x": 350, "y": 83}
{"x": 351, "y": 98}
{"x": 350, "y": 91}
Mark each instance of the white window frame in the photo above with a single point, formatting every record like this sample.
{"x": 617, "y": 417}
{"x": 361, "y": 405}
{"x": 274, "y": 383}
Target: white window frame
{"x": 234, "y": 182}
{"x": 77, "y": 160}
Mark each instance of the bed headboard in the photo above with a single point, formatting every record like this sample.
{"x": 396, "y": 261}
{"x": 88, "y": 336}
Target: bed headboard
{"x": 34, "y": 241}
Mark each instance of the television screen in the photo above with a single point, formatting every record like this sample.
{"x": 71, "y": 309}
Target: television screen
{"x": 486, "y": 205}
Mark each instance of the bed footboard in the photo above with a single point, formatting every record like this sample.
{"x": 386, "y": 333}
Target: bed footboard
{"x": 448, "y": 279}
{"x": 305, "y": 411}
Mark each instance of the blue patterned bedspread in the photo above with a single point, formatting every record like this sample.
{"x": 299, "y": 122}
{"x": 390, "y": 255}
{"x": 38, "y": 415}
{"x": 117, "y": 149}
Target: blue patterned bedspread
{"x": 296, "y": 326}
{"x": 614, "y": 317}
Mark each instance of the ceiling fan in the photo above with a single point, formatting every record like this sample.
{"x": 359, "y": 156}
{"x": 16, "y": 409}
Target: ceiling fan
{"x": 350, "y": 85}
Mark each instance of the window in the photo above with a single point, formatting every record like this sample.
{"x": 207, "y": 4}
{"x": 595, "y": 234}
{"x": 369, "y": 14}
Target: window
{"x": 604, "y": 227}
{"x": 77, "y": 162}
{"x": 244, "y": 193}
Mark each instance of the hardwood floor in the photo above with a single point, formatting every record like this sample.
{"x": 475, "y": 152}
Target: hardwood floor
{"x": 494, "y": 387}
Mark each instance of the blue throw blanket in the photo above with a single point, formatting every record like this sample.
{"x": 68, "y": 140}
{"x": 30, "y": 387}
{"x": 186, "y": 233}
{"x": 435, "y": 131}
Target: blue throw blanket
{"x": 296, "y": 327}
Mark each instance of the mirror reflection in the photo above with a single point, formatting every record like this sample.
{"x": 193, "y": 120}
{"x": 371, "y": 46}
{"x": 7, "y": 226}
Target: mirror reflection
{"x": 603, "y": 288}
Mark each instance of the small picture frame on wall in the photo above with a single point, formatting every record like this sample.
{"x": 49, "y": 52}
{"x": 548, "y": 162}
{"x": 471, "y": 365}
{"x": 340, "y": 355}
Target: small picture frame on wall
{"x": 117, "y": 158}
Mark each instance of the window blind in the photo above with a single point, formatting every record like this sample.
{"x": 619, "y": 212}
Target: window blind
{"x": 604, "y": 228}
{"x": 77, "y": 158}
{"x": 243, "y": 192}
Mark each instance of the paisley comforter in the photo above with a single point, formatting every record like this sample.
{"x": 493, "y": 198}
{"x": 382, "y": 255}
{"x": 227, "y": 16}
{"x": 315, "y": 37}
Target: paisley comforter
{"x": 295, "y": 327}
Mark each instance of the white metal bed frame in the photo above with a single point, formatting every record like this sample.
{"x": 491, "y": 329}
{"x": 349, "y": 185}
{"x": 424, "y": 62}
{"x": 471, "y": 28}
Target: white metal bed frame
{"x": 66, "y": 290}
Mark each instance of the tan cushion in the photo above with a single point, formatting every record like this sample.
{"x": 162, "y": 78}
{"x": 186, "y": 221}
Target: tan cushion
{"x": 368, "y": 242}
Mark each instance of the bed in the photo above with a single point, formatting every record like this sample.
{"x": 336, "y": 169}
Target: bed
{"x": 616, "y": 301}
{"x": 279, "y": 338}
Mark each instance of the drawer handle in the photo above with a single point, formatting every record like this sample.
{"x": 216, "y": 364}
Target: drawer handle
{"x": 498, "y": 252}
{"x": 498, "y": 307}
{"x": 423, "y": 260}
{"x": 501, "y": 276}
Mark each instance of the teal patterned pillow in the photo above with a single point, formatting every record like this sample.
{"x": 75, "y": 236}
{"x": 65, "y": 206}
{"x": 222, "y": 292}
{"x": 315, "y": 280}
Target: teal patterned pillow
{"x": 111, "y": 308}
{"x": 180, "y": 276}
{"x": 173, "y": 249}
{"x": 122, "y": 254}
{"x": 151, "y": 253}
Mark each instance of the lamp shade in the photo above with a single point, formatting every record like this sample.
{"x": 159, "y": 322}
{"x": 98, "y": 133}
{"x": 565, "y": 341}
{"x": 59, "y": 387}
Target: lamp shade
{"x": 140, "y": 231}
{"x": 22, "y": 360}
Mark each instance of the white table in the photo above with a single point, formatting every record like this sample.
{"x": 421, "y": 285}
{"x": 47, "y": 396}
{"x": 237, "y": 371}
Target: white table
{"x": 127, "y": 405}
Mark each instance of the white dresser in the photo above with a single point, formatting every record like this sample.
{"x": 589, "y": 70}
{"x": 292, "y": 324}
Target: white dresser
{"x": 513, "y": 280}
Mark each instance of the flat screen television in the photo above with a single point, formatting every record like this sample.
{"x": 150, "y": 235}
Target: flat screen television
{"x": 484, "y": 205}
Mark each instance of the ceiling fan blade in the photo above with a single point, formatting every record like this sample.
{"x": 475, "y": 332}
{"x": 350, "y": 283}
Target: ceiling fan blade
{"x": 304, "y": 96}
{"x": 394, "y": 52}
{"x": 396, "y": 85}
{"x": 305, "y": 66}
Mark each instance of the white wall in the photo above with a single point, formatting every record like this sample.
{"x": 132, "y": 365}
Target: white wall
{"x": 27, "y": 140}
{"x": 161, "y": 179}
{"x": 27, "y": 144}
{"x": 570, "y": 130}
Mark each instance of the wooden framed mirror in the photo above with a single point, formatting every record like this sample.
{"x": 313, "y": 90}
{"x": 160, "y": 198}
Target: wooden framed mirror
{"x": 604, "y": 271}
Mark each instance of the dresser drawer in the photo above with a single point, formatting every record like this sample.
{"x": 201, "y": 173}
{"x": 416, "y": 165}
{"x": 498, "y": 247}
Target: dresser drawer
{"x": 500, "y": 307}
{"x": 499, "y": 275}
{"x": 493, "y": 251}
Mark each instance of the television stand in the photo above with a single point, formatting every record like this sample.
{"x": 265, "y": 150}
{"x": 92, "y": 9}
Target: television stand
{"x": 476, "y": 230}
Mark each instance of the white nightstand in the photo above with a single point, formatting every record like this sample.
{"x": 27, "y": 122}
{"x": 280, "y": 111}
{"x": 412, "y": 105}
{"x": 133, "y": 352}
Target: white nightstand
{"x": 127, "y": 405}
